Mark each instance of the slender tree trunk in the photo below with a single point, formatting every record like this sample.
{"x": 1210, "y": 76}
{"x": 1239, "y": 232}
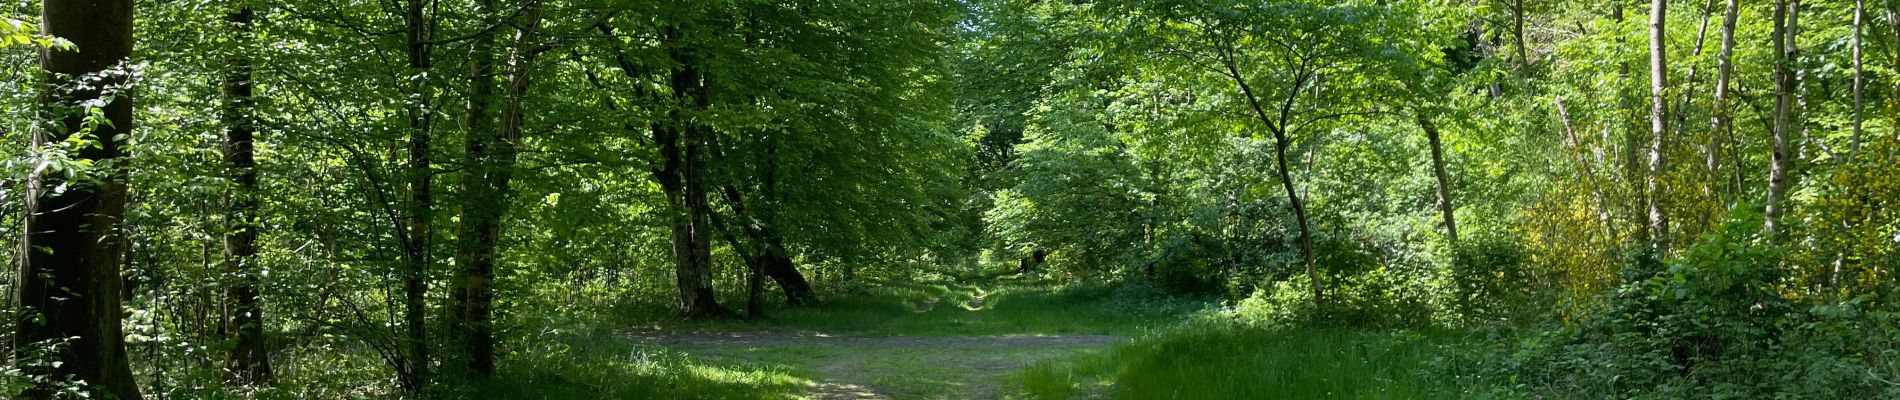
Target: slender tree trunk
{"x": 1517, "y": 33}
{"x": 70, "y": 255}
{"x": 755, "y": 288}
{"x": 1588, "y": 174}
{"x": 1719, "y": 120}
{"x": 1860, "y": 15}
{"x": 1633, "y": 171}
{"x": 1444, "y": 181}
{"x": 1279, "y": 126}
{"x": 1658, "y": 121}
{"x": 1893, "y": 114}
{"x": 414, "y": 368}
{"x": 247, "y": 361}
{"x": 1780, "y": 163}
{"x": 1893, "y": 23}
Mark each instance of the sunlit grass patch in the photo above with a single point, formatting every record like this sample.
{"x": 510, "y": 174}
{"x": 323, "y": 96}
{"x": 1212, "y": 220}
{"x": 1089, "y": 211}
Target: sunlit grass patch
{"x": 596, "y": 364}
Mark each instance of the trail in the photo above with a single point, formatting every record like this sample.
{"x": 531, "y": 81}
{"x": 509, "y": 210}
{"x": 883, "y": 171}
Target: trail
{"x": 864, "y": 368}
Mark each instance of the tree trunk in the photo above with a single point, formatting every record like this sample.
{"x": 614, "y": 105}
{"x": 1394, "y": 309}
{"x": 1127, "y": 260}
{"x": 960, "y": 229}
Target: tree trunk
{"x": 413, "y": 370}
{"x": 247, "y": 361}
{"x": 755, "y": 288}
{"x": 1517, "y": 33}
{"x": 1658, "y": 121}
{"x": 1780, "y": 163}
{"x": 782, "y": 270}
{"x": 1278, "y": 127}
{"x": 682, "y": 145}
{"x": 69, "y": 272}
{"x": 1633, "y": 171}
{"x": 1588, "y": 175}
{"x": 1719, "y": 121}
{"x": 485, "y": 185}
{"x": 1893, "y": 22}
{"x": 1860, "y": 15}
{"x": 474, "y": 256}
{"x": 1444, "y": 180}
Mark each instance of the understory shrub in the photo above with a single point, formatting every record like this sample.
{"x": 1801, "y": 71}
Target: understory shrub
{"x": 1714, "y": 323}
{"x": 1490, "y": 281}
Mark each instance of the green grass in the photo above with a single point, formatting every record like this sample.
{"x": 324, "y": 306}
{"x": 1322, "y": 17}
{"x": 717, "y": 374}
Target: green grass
{"x": 598, "y": 364}
{"x": 598, "y": 359}
{"x": 1227, "y": 361}
{"x": 1007, "y": 308}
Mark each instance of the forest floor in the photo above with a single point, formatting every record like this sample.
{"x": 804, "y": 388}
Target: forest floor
{"x": 923, "y": 341}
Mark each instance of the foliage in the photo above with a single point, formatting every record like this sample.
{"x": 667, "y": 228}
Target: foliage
{"x": 1714, "y": 324}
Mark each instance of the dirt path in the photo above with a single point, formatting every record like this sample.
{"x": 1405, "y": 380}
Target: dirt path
{"x": 863, "y": 368}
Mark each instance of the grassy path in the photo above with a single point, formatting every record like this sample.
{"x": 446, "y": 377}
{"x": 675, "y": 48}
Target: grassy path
{"x": 933, "y": 340}
{"x": 896, "y": 367}
{"x": 923, "y": 341}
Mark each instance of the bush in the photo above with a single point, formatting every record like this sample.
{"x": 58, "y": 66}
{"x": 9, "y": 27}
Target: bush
{"x": 1378, "y": 297}
{"x": 1711, "y": 324}
{"x": 1489, "y": 280}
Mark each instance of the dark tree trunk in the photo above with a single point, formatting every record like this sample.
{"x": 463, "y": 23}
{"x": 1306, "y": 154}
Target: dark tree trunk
{"x": 474, "y": 259}
{"x": 413, "y": 369}
{"x": 779, "y": 266}
{"x": 1029, "y": 264}
{"x": 682, "y": 145}
{"x": 1278, "y": 126}
{"x": 1445, "y": 206}
{"x": 247, "y": 361}
{"x": 70, "y": 258}
{"x": 485, "y": 186}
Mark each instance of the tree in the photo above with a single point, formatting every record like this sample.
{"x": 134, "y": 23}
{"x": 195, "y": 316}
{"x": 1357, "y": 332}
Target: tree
{"x": 1445, "y": 206}
{"x": 248, "y": 359}
{"x": 415, "y": 235}
{"x": 1786, "y": 30}
{"x": 1658, "y": 120}
{"x": 682, "y": 175}
{"x": 69, "y": 270}
{"x": 491, "y": 149}
{"x": 1718, "y": 115}
{"x": 1277, "y": 57}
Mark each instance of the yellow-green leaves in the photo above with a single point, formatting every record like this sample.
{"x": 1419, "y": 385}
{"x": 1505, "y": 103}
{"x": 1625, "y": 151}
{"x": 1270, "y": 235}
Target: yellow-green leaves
{"x": 15, "y": 32}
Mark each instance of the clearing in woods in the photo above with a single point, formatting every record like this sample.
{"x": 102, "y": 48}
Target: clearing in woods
{"x": 943, "y": 341}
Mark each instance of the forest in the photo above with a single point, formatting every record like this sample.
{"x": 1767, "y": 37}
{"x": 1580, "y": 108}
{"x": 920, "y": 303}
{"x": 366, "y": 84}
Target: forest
{"x": 950, "y": 199}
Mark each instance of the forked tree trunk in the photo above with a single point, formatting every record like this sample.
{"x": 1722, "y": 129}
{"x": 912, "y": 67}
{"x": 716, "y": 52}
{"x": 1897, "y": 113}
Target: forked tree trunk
{"x": 682, "y": 144}
{"x": 1278, "y": 126}
{"x": 247, "y": 361}
{"x": 70, "y": 258}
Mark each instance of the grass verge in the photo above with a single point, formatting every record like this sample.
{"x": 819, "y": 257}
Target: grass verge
{"x": 1212, "y": 360}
